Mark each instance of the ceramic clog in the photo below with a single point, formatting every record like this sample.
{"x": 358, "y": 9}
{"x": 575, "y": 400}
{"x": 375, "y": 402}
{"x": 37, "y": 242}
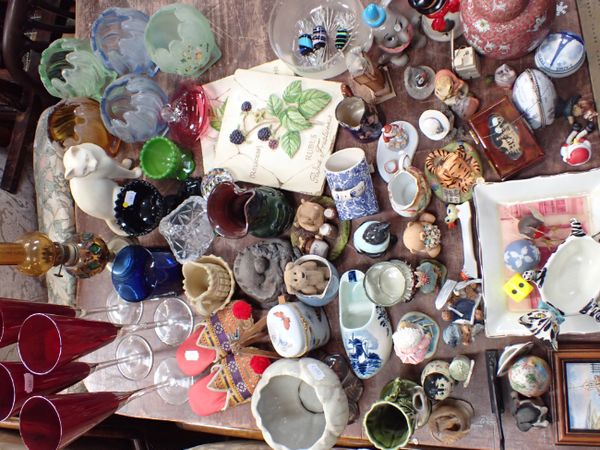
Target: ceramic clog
{"x": 365, "y": 327}
{"x": 568, "y": 284}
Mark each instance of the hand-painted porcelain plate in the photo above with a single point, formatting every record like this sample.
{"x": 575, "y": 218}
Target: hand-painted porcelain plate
{"x": 491, "y": 199}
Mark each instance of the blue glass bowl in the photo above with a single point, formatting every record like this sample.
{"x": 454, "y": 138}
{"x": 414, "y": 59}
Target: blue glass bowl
{"x": 131, "y": 106}
{"x": 118, "y": 41}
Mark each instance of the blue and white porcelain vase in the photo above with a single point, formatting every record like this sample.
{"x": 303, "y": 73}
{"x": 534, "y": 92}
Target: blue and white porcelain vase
{"x": 349, "y": 179}
{"x": 365, "y": 327}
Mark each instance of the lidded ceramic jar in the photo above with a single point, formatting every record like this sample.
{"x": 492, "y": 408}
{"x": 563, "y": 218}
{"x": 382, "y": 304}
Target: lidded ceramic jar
{"x": 506, "y": 29}
{"x": 296, "y": 328}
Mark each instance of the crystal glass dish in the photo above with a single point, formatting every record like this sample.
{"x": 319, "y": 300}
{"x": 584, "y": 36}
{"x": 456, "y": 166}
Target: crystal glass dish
{"x": 327, "y": 62}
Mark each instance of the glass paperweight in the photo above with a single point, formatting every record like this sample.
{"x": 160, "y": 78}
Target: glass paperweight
{"x": 179, "y": 40}
{"x": 188, "y": 230}
{"x": 139, "y": 207}
{"x": 161, "y": 158}
{"x": 130, "y": 108}
{"x": 313, "y": 36}
{"x": 187, "y": 114}
{"x": 118, "y": 41}
{"x": 77, "y": 120}
{"x": 68, "y": 68}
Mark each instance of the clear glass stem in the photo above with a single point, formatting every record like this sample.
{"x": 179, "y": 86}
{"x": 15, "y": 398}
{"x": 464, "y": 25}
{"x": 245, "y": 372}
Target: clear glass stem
{"x": 148, "y": 389}
{"x": 116, "y": 361}
{"x": 83, "y": 312}
{"x": 134, "y": 328}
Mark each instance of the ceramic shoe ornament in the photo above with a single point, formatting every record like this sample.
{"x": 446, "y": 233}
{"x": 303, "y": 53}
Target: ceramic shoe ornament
{"x": 422, "y": 237}
{"x": 528, "y": 413}
{"x": 436, "y": 380}
{"x": 91, "y": 172}
{"x": 454, "y": 92}
{"x": 577, "y": 150}
{"x": 365, "y": 327}
{"x": 415, "y": 338}
{"x": 566, "y": 284}
{"x": 312, "y": 279}
{"x": 373, "y": 238}
{"x": 441, "y": 18}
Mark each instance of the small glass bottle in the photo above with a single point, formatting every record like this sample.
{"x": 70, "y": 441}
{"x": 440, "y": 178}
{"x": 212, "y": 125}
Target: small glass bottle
{"x": 34, "y": 254}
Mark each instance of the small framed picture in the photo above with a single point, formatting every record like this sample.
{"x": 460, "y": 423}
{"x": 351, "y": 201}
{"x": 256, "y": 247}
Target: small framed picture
{"x": 577, "y": 395}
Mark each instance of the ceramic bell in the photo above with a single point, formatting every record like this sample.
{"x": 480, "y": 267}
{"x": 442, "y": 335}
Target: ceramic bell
{"x": 436, "y": 380}
{"x": 423, "y": 237}
{"x": 530, "y": 376}
{"x": 535, "y": 97}
{"x": 415, "y": 338}
{"x": 300, "y": 403}
{"x": 372, "y": 238}
{"x": 509, "y": 29}
{"x": 312, "y": 279}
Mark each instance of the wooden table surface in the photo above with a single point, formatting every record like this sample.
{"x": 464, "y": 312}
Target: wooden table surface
{"x": 241, "y": 32}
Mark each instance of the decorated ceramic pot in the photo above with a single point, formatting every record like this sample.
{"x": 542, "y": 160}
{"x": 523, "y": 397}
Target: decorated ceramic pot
{"x": 507, "y": 29}
{"x": 296, "y": 328}
{"x": 436, "y": 380}
{"x": 535, "y": 97}
{"x": 300, "y": 403}
{"x": 568, "y": 285}
{"x": 530, "y": 376}
{"x": 391, "y": 421}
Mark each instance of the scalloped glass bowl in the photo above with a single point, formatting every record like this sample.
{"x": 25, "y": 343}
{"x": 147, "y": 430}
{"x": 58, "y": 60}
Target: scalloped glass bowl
{"x": 118, "y": 41}
{"x": 283, "y": 35}
{"x": 68, "y": 68}
{"x": 131, "y": 108}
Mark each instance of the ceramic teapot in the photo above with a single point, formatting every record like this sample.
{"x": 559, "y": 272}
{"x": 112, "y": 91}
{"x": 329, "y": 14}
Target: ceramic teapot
{"x": 568, "y": 285}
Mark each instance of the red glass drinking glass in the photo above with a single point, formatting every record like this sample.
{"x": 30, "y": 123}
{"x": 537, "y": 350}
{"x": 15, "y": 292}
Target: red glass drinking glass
{"x": 47, "y": 341}
{"x": 14, "y": 312}
{"x": 17, "y": 384}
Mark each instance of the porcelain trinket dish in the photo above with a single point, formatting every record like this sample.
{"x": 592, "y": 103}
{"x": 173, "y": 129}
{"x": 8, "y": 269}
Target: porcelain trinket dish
{"x": 561, "y": 54}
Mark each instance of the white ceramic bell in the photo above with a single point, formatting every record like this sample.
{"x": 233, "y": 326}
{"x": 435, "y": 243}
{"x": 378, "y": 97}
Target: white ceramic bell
{"x": 365, "y": 327}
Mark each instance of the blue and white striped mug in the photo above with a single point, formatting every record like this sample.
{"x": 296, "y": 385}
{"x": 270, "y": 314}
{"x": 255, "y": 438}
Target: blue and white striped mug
{"x": 351, "y": 185}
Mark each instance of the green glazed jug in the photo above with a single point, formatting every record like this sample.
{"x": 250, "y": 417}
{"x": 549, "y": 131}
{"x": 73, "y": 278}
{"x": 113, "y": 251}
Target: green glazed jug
{"x": 179, "y": 40}
{"x": 391, "y": 420}
{"x": 68, "y": 68}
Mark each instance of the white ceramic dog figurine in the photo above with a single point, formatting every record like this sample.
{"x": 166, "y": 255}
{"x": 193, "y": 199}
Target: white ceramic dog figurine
{"x": 91, "y": 172}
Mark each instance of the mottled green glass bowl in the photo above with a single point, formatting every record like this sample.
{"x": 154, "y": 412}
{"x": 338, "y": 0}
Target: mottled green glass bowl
{"x": 179, "y": 40}
{"x": 68, "y": 68}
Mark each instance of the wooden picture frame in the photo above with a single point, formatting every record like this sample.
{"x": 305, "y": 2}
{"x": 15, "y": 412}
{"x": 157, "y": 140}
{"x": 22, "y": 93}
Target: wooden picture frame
{"x": 576, "y": 377}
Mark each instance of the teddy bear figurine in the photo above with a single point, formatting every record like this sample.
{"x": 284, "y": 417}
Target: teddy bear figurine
{"x": 309, "y": 278}
{"x": 422, "y": 237}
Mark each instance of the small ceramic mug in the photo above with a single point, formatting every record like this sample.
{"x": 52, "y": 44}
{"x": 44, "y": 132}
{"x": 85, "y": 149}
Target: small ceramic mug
{"x": 349, "y": 179}
{"x": 408, "y": 190}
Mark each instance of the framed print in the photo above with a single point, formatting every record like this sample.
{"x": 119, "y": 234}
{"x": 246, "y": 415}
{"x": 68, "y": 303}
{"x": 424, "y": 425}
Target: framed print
{"x": 577, "y": 395}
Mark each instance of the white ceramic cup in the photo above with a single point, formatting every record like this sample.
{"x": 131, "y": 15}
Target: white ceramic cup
{"x": 408, "y": 190}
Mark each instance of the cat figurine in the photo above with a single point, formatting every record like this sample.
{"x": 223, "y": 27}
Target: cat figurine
{"x": 91, "y": 172}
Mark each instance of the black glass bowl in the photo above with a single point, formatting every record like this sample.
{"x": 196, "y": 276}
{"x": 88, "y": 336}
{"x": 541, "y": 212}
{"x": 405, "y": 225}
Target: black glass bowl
{"x": 139, "y": 207}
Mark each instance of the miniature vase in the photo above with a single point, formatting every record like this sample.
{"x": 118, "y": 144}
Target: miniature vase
{"x": 139, "y": 273}
{"x": 68, "y": 68}
{"x": 76, "y": 121}
{"x": 117, "y": 39}
{"x": 300, "y": 404}
{"x": 365, "y": 327}
{"x": 179, "y": 40}
{"x": 187, "y": 114}
{"x": 161, "y": 158}
{"x": 261, "y": 211}
{"x": 506, "y": 29}
{"x": 130, "y": 108}
{"x": 391, "y": 420}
